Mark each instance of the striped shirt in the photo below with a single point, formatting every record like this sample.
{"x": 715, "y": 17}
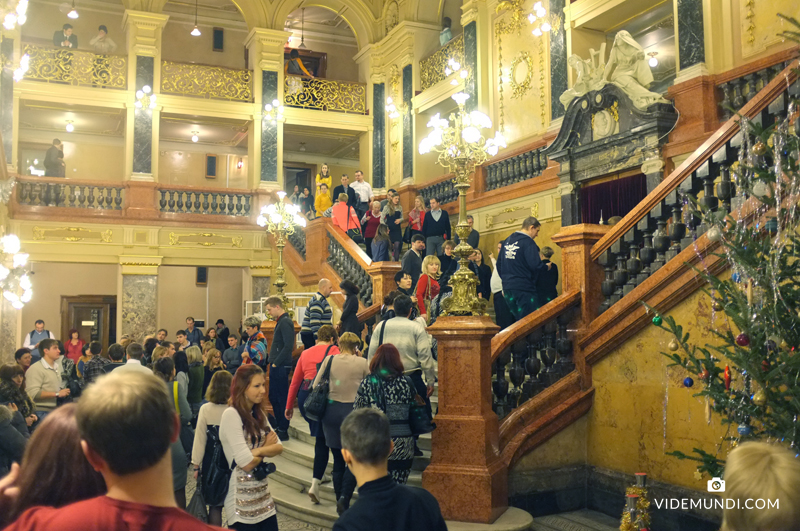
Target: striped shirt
{"x": 318, "y": 313}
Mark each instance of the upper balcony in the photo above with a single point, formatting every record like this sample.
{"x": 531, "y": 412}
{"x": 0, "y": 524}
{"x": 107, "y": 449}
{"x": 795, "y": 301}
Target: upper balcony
{"x": 80, "y": 68}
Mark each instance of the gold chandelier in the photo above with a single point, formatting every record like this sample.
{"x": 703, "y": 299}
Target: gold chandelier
{"x": 461, "y": 146}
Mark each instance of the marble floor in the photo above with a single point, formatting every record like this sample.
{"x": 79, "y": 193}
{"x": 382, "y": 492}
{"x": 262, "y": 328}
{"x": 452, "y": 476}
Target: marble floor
{"x": 285, "y": 523}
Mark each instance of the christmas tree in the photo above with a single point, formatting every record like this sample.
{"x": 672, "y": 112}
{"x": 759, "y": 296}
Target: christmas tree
{"x": 749, "y": 375}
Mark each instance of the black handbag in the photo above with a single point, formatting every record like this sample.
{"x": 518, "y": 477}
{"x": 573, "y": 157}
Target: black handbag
{"x": 317, "y": 400}
{"x": 216, "y": 474}
{"x": 407, "y": 234}
{"x": 354, "y": 234}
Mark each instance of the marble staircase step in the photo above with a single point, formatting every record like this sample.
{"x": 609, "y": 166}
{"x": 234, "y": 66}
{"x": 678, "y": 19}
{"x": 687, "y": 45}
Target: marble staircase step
{"x": 582, "y": 520}
{"x": 298, "y": 430}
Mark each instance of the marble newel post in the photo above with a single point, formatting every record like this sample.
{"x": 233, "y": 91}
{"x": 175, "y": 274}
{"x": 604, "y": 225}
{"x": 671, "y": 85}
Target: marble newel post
{"x": 466, "y": 474}
{"x": 138, "y": 298}
{"x": 265, "y": 147}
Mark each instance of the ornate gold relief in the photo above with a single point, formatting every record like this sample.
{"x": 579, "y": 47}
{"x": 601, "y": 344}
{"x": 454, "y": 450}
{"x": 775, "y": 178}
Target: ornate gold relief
{"x": 206, "y": 239}
{"x": 72, "y": 234}
{"x": 74, "y": 67}
{"x": 492, "y": 219}
{"x": 206, "y": 81}
{"x": 431, "y": 70}
{"x": 520, "y": 88}
{"x": 325, "y": 94}
{"x": 139, "y": 264}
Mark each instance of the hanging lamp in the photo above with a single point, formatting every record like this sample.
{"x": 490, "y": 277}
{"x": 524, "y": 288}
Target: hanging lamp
{"x": 196, "y": 31}
{"x": 302, "y": 29}
{"x": 73, "y": 12}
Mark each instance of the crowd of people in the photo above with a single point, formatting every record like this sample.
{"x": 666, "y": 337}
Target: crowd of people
{"x": 171, "y": 408}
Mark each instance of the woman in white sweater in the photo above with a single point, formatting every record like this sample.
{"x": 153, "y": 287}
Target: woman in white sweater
{"x": 208, "y": 420}
{"x": 247, "y": 440}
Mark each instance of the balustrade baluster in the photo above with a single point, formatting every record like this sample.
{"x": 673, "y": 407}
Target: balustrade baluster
{"x": 607, "y": 261}
{"x": 118, "y": 199}
{"x": 214, "y": 203}
{"x": 738, "y": 99}
{"x": 727, "y": 100}
{"x": 634, "y": 267}
{"x": 59, "y": 192}
{"x": 247, "y": 199}
{"x": 180, "y": 203}
{"x": 196, "y": 204}
{"x": 49, "y": 194}
{"x": 82, "y": 196}
{"x": 238, "y": 205}
{"x": 620, "y": 273}
{"x": 90, "y": 197}
{"x": 564, "y": 345}
{"x": 108, "y": 200}
{"x": 688, "y": 189}
{"x": 163, "y": 202}
{"x": 529, "y": 165}
{"x": 726, "y": 189}
{"x": 205, "y": 203}
{"x": 23, "y": 192}
{"x": 709, "y": 201}
{"x": 677, "y": 230}
{"x": 660, "y": 243}
{"x": 171, "y": 202}
{"x": 750, "y": 87}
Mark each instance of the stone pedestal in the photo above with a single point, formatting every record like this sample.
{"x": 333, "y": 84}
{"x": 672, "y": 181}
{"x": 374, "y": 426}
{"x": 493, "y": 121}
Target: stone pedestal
{"x": 382, "y": 274}
{"x": 140, "y": 200}
{"x": 466, "y": 475}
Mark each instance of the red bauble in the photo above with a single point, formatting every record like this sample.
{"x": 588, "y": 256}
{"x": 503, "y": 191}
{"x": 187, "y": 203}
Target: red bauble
{"x": 742, "y": 340}
{"x": 704, "y": 375}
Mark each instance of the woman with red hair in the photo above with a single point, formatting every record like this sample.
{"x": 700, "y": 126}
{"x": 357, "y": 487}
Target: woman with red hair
{"x": 74, "y": 346}
{"x": 247, "y": 440}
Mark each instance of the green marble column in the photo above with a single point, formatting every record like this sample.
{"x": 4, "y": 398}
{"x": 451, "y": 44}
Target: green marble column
{"x": 139, "y": 305}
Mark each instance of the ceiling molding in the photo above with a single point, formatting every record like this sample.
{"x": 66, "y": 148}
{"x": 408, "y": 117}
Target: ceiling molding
{"x": 290, "y": 157}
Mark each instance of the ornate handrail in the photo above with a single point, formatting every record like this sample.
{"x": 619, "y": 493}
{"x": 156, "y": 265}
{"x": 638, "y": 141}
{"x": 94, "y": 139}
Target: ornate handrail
{"x": 432, "y": 68}
{"x": 443, "y": 189}
{"x": 348, "y": 267}
{"x": 70, "y": 194}
{"x": 700, "y": 156}
{"x": 516, "y": 168}
{"x": 194, "y": 201}
{"x": 364, "y": 261}
{"x": 76, "y": 67}
{"x": 298, "y": 241}
{"x": 325, "y": 94}
{"x": 204, "y": 81}
{"x": 370, "y": 312}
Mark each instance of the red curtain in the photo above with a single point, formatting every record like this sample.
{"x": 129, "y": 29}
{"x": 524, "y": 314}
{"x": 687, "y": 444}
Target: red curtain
{"x": 613, "y": 198}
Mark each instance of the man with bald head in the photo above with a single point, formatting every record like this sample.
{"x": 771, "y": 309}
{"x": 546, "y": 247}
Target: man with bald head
{"x": 318, "y": 313}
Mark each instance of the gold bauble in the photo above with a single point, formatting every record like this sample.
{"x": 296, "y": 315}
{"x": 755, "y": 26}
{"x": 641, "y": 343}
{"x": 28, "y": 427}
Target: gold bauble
{"x": 760, "y": 398}
{"x": 784, "y": 344}
{"x": 760, "y": 148}
{"x": 673, "y": 345}
{"x": 716, "y": 306}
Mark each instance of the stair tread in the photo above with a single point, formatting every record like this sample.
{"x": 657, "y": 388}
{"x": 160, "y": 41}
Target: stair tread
{"x": 299, "y": 423}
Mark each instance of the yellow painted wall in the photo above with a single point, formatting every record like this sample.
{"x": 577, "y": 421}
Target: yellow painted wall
{"x": 85, "y": 160}
{"x": 52, "y": 280}
{"x": 566, "y": 448}
{"x": 179, "y": 297}
{"x": 178, "y": 45}
{"x": 45, "y": 19}
{"x": 642, "y": 410}
{"x": 188, "y": 168}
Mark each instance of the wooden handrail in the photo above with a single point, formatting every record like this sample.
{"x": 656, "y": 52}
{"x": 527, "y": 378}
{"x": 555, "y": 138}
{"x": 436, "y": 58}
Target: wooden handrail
{"x": 349, "y": 245}
{"x": 370, "y": 312}
{"x": 756, "y": 66}
{"x": 508, "y": 336}
{"x": 204, "y": 190}
{"x": 697, "y": 159}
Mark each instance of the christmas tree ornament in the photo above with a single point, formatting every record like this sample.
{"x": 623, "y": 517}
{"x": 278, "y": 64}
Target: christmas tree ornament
{"x": 765, "y": 365}
{"x": 784, "y": 344}
{"x": 688, "y": 382}
{"x": 760, "y": 148}
{"x": 716, "y": 306}
{"x": 761, "y": 189}
{"x": 736, "y": 277}
{"x": 698, "y": 475}
{"x": 742, "y": 340}
{"x": 727, "y": 377}
{"x": 714, "y": 234}
{"x": 673, "y": 345}
{"x": 744, "y": 430}
{"x": 657, "y": 320}
{"x": 704, "y": 375}
{"x": 760, "y": 398}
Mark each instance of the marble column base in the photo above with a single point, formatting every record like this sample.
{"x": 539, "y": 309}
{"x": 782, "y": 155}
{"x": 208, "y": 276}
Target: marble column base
{"x": 466, "y": 474}
{"x": 139, "y": 305}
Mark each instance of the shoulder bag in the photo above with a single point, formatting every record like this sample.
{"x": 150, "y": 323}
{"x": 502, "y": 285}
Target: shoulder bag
{"x": 317, "y": 400}
{"x": 215, "y": 472}
{"x": 355, "y": 233}
{"x": 187, "y": 433}
{"x": 418, "y": 419}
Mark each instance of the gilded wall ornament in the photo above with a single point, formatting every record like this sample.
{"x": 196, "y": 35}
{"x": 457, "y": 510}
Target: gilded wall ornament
{"x": 206, "y": 239}
{"x": 72, "y": 234}
{"x": 521, "y": 74}
{"x": 498, "y": 218}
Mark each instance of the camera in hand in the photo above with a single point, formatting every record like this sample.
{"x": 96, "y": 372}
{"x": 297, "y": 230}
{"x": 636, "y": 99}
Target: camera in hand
{"x": 262, "y": 470}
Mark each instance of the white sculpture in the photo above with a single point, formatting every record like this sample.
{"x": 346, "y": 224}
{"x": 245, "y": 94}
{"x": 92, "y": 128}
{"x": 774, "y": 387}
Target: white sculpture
{"x": 627, "y": 68}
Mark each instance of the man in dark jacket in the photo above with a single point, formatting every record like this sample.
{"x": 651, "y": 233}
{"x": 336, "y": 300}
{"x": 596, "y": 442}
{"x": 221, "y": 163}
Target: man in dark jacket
{"x": 435, "y": 228}
{"x": 52, "y": 161}
{"x": 382, "y": 503}
{"x": 280, "y": 362}
{"x": 64, "y": 38}
{"x": 345, "y": 188}
{"x": 221, "y": 342}
{"x": 519, "y": 266}
{"x": 547, "y": 282}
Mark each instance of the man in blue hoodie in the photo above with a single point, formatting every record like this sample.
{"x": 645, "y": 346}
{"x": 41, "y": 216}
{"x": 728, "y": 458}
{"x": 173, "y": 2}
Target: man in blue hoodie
{"x": 518, "y": 265}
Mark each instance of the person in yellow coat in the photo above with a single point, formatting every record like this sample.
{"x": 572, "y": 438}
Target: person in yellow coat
{"x": 324, "y": 177}
{"x": 323, "y": 201}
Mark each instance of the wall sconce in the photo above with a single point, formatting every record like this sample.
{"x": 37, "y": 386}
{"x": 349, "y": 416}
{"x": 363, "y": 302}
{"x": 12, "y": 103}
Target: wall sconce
{"x": 454, "y": 67}
{"x": 273, "y": 111}
{"x": 544, "y": 22}
{"x": 70, "y": 127}
{"x": 653, "y": 62}
{"x": 240, "y": 164}
{"x": 195, "y": 138}
{"x": 144, "y": 98}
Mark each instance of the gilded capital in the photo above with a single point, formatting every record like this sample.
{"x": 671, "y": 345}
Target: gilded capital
{"x": 144, "y": 31}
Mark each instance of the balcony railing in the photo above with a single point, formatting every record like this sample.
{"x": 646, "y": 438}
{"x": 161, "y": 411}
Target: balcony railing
{"x": 325, "y": 95}
{"x": 205, "y": 81}
{"x": 65, "y": 193}
{"x": 432, "y": 68}
{"x": 74, "y": 67}
{"x": 188, "y": 201}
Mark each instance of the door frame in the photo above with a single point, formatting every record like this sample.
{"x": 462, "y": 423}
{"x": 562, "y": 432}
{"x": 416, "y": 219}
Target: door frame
{"x": 106, "y": 300}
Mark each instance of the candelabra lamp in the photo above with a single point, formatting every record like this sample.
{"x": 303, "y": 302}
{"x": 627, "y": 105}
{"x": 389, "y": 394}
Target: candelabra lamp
{"x": 461, "y": 147}
{"x": 280, "y": 220}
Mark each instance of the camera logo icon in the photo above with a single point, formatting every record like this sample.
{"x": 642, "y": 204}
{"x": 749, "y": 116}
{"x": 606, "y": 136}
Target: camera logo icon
{"x": 716, "y": 485}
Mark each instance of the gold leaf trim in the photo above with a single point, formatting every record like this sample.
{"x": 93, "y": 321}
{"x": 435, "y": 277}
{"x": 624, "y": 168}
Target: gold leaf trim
{"x": 205, "y": 239}
{"x": 75, "y": 234}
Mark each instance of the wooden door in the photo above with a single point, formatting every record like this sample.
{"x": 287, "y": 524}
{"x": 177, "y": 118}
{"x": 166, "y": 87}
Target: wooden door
{"x": 94, "y": 316}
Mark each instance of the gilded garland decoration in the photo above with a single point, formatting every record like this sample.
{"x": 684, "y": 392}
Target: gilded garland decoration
{"x": 520, "y": 88}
